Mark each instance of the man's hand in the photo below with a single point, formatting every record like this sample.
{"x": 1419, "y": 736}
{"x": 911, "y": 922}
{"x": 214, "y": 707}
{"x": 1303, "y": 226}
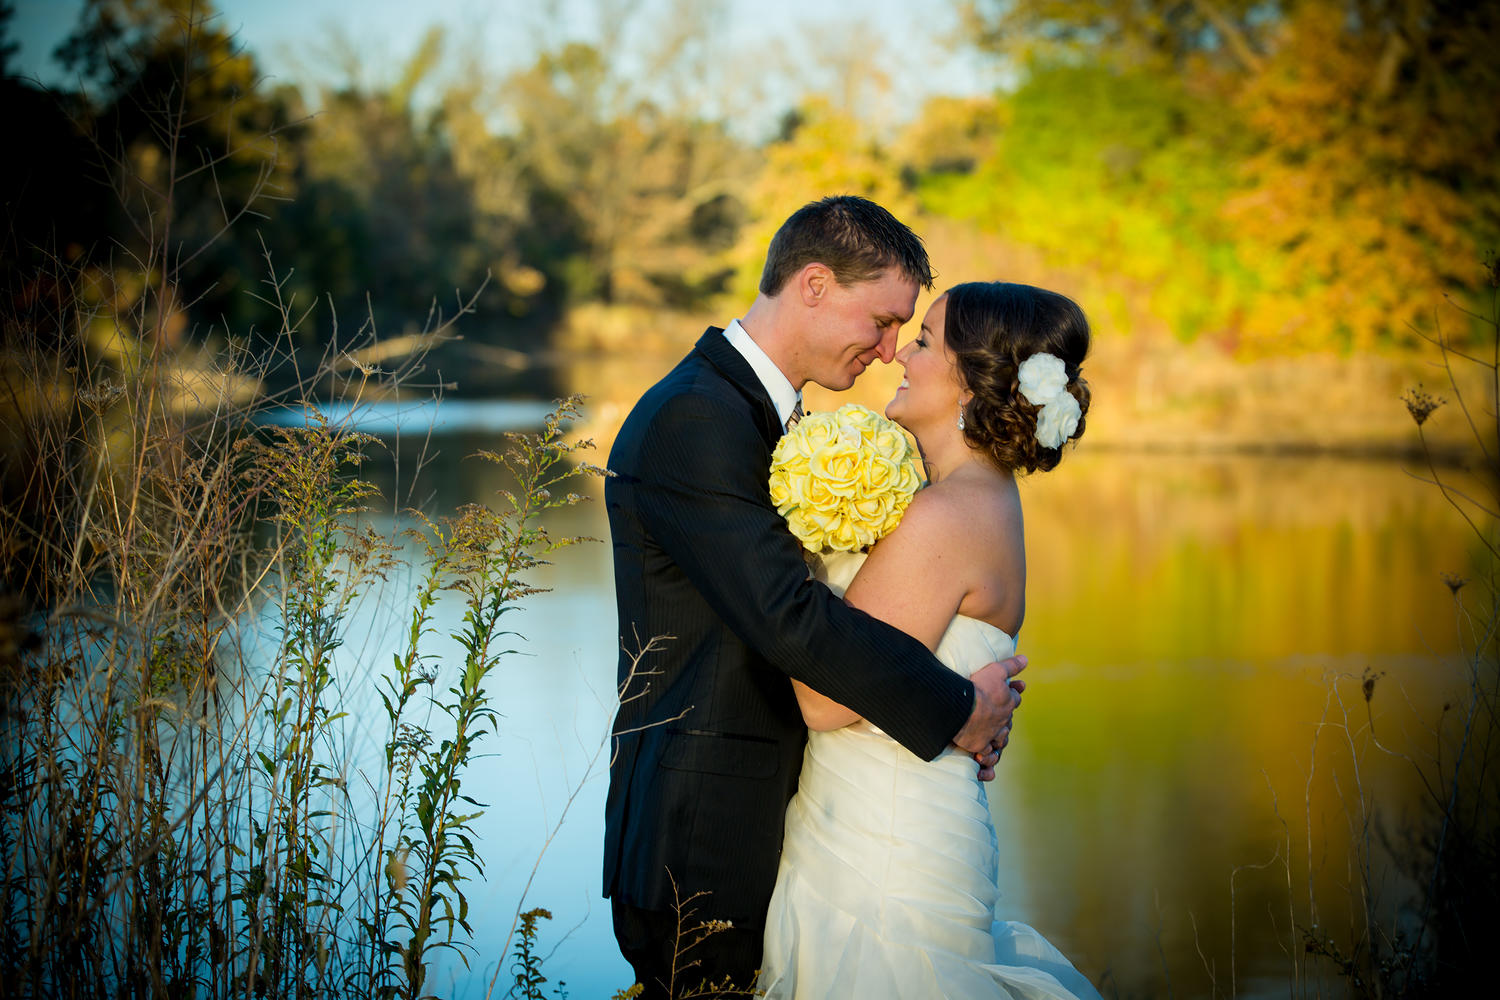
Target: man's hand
{"x": 997, "y": 694}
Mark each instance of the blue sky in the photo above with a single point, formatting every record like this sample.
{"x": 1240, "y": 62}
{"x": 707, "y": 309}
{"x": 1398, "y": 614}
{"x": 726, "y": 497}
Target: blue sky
{"x": 772, "y": 42}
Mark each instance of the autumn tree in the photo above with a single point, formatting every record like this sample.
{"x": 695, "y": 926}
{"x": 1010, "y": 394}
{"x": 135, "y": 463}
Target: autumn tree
{"x": 190, "y": 149}
{"x": 1371, "y": 193}
{"x": 384, "y": 224}
{"x": 830, "y": 142}
{"x": 1358, "y": 149}
{"x": 650, "y": 195}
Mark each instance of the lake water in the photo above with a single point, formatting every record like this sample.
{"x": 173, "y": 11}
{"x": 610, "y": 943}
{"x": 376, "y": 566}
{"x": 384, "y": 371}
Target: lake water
{"x": 1198, "y": 628}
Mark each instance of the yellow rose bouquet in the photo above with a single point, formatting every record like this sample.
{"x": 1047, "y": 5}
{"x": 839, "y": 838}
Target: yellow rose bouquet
{"x": 843, "y": 479}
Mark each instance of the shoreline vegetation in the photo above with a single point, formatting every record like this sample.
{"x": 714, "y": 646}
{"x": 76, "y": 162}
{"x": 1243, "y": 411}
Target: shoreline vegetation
{"x": 1162, "y": 398}
{"x": 1265, "y": 209}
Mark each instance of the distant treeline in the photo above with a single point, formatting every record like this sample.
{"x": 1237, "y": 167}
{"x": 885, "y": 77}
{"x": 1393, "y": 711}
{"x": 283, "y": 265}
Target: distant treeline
{"x": 1279, "y": 177}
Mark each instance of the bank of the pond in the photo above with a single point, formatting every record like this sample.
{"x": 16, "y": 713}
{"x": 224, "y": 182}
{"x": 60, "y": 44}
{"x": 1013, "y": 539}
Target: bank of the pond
{"x": 1160, "y": 398}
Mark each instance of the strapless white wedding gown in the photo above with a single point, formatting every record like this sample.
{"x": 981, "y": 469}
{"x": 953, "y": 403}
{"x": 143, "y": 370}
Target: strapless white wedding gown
{"x": 888, "y": 877}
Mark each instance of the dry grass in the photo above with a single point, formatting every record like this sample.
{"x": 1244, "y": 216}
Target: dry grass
{"x": 178, "y": 810}
{"x": 1421, "y": 890}
{"x": 181, "y": 813}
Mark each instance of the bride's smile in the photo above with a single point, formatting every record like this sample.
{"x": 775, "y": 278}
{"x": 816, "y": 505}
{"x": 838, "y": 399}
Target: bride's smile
{"x": 927, "y": 400}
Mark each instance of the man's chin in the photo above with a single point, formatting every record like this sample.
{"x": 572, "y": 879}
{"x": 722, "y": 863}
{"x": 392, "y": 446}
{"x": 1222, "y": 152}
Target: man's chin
{"x": 855, "y": 371}
{"x": 845, "y": 381}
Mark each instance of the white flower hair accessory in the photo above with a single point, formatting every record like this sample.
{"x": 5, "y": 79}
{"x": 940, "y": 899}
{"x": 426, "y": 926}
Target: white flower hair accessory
{"x": 1044, "y": 383}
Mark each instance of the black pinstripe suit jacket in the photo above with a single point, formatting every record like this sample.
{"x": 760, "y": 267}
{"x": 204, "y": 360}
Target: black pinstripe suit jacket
{"x": 708, "y": 738}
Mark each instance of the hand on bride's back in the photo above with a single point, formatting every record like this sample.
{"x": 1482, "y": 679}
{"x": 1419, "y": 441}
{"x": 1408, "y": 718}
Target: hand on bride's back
{"x": 997, "y": 695}
{"x": 992, "y": 675}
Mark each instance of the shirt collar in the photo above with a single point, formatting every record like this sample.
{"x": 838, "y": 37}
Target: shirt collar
{"x": 777, "y": 386}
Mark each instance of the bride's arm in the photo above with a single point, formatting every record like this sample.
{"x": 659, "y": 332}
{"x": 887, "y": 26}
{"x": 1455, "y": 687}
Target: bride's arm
{"x": 820, "y": 712}
{"x": 915, "y": 578}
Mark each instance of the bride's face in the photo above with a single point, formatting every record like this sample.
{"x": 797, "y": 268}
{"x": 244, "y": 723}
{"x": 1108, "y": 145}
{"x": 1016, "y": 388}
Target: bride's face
{"x": 929, "y": 394}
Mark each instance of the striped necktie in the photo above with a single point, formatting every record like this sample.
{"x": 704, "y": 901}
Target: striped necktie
{"x": 796, "y": 416}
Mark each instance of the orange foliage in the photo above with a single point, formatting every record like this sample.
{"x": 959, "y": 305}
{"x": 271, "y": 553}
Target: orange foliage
{"x": 825, "y": 151}
{"x": 1317, "y": 173}
{"x": 1350, "y": 209}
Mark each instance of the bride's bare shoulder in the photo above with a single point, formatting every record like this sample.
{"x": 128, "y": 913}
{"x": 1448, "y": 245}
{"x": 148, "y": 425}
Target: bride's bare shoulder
{"x": 928, "y": 520}
{"x": 966, "y": 505}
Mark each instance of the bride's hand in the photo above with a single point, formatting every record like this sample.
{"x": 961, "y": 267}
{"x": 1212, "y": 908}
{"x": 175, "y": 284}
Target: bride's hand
{"x": 987, "y": 760}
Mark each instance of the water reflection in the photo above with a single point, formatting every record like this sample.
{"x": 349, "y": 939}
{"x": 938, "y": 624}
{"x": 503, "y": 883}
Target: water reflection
{"x": 422, "y": 417}
{"x": 1185, "y": 617}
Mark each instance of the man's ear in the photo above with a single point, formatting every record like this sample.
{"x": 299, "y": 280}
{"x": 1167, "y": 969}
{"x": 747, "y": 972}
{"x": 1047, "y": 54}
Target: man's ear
{"x": 813, "y": 283}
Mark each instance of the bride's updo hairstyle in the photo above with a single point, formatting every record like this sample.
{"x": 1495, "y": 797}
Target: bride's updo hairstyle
{"x": 991, "y": 327}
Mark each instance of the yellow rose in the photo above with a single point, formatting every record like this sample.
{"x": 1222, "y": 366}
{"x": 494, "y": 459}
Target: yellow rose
{"x": 881, "y": 474}
{"x": 871, "y": 510}
{"x": 910, "y": 479}
{"x": 809, "y": 533}
{"x": 781, "y": 491}
{"x": 857, "y": 416}
{"x": 818, "y": 495}
{"x": 837, "y": 464}
{"x": 890, "y": 441}
{"x": 814, "y": 432}
{"x": 842, "y": 536}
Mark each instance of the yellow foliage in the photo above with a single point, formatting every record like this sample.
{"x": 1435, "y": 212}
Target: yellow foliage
{"x": 828, "y": 152}
{"x": 953, "y": 133}
{"x": 1349, "y": 210}
{"x": 1313, "y": 175}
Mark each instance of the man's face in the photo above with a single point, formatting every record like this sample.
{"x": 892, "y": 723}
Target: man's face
{"x": 852, "y": 325}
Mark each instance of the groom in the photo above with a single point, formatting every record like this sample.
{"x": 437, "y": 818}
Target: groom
{"x": 708, "y": 739}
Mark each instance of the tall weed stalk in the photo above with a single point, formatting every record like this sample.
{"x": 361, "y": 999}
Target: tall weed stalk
{"x": 481, "y": 556}
{"x": 1421, "y": 890}
{"x": 184, "y": 811}
{"x": 180, "y": 807}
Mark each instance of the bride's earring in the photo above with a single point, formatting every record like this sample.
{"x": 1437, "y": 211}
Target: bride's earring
{"x": 960, "y": 416}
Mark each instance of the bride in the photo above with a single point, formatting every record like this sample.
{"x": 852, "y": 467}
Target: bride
{"x": 888, "y": 877}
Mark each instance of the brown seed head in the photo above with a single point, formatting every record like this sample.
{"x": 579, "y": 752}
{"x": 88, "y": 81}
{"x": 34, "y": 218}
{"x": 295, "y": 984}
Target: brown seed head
{"x": 1420, "y": 403}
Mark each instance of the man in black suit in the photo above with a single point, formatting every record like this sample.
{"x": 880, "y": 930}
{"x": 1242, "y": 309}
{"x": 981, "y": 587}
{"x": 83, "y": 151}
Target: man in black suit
{"x": 708, "y": 739}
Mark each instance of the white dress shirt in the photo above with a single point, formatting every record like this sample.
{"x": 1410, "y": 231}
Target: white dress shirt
{"x": 777, "y": 385}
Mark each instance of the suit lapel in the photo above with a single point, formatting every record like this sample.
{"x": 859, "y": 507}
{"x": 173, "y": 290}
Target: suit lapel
{"x": 737, "y": 371}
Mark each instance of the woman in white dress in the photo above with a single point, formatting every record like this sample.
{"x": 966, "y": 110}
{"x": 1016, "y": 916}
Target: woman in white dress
{"x": 888, "y": 877}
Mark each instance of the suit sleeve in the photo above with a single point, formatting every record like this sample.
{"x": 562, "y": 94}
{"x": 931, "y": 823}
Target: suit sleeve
{"x": 710, "y": 511}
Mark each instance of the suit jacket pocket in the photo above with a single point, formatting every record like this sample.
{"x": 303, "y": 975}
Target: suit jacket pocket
{"x": 721, "y": 753}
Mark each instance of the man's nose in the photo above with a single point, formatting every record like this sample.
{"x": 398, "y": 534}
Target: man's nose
{"x": 886, "y": 349}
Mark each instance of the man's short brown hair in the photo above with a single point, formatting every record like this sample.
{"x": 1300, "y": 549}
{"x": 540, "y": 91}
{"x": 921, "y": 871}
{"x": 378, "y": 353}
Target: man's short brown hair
{"x": 854, "y": 237}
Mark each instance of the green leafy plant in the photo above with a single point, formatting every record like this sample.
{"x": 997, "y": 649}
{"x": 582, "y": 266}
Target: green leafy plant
{"x": 481, "y": 555}
{"x": 183, "y": 810}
